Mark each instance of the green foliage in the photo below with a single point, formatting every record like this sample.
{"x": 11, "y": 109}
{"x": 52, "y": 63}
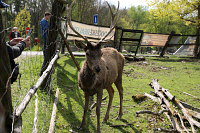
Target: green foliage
{"x": 177, "y": 15}
{"x": 23, "y": 20}
{"x": 138, "y": 16}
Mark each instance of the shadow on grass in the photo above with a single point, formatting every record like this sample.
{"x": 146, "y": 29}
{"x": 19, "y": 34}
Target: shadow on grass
{"x": 121, "y": 128}
{"x": 65, "y": 76}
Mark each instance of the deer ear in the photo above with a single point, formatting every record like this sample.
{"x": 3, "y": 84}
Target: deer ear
{"x": 80, "y": 44}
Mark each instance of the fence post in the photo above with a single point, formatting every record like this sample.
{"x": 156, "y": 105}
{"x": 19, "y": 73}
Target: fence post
{"x": 116, "y": 37}
{"x": 167, "y": 44}
{"x": 57, "y": 11}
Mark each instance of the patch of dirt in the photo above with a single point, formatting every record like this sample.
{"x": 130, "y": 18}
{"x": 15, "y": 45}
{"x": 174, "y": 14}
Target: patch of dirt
{"x": 133, "y": 74}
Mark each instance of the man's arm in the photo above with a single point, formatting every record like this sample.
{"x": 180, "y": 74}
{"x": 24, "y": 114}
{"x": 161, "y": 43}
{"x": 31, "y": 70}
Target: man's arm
{"x": 19, "y": 47}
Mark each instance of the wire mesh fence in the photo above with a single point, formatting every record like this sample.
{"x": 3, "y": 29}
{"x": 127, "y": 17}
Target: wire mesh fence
{"x": 30, "y": 64}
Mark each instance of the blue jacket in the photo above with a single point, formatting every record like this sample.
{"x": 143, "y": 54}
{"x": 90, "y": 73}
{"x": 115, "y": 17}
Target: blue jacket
{"x": 44, "y": 25}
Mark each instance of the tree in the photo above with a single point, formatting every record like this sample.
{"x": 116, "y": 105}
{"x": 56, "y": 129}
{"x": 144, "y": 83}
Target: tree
{"x": 138, "y": 16}
{"x": 185, "y": 10}
{"x": 23, "y": 19}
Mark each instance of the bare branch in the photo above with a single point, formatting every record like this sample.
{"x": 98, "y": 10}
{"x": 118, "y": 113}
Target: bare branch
{"x": 153, "y": 113}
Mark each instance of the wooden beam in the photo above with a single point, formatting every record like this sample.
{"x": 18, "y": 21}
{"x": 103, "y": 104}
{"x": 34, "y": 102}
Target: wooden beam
{"x": 53, "y": 116}
{"x": 36, "y": 115}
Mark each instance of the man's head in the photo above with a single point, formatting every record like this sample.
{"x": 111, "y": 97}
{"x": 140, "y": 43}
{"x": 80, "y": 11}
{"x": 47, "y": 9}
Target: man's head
{"x": 47, "y": 15}
{"x": 14, "y": 29}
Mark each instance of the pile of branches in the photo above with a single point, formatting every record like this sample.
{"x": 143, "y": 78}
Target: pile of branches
{"x": 184, "y": 117}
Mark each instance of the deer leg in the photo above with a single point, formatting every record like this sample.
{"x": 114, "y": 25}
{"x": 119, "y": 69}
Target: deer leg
{"x": 85, "y": 111}
{"x": 111, "y": 94}
{"x": 99, "y": 98}
{"x": 118, "y": 84}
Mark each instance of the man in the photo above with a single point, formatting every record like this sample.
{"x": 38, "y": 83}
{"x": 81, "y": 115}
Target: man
{"x": 14, "y": 33}
{"x": 44, "y": 25}
{"x": 6, "y": 110}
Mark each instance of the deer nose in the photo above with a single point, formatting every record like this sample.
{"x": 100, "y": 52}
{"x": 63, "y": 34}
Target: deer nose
{"x": 97, "y": 69}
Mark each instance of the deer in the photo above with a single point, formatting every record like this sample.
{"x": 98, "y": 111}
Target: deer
{"x": 101, "y": 68}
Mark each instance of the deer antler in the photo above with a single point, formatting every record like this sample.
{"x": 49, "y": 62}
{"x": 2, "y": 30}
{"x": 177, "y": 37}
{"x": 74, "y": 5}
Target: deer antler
{"x": 69, "y": 20}
{"x": 113, "y": 21}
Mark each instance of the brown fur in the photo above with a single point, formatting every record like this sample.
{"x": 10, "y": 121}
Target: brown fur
{"x": 101, "y": 69}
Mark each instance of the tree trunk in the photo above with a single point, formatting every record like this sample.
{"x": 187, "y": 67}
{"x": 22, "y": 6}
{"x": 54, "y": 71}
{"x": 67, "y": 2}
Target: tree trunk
{"x": 5, "y": 72}
{"x": 197, "y": 47}
{"x": 57, "y": 11}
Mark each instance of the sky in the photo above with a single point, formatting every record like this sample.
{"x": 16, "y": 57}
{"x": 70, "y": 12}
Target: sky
{"x": 128, "y": 3}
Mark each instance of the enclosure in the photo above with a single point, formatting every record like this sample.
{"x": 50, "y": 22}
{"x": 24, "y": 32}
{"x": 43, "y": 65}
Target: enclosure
{"x": 161, "y": 88}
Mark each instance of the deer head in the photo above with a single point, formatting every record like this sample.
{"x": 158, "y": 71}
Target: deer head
{"x": 92, "y": 49}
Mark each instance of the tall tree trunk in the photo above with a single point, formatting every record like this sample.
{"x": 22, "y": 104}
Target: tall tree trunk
{"x": 57, "y": 11}
{"x": 197, "y": 48}
{"x": 5, "y": 72}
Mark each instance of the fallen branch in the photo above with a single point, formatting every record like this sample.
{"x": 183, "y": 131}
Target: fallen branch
{"x": 190, "y": 107}
{"x": 122, "y": 125}
{"x": 165, "y": 130}
{"x": 36, "y": 115}
{"x": 94, "y": 104}
{"x": 150, "y": 112}
{"x": 53, "y": 116}
{"x": 20, "y": 109}
{"x": 187, "y": 115}
{"x": 69, "y": 50}
{"x": 191, "y": 95}
{"x": 172, "y": 111}
{"x": 194, "y": 114}
{"x": 155, "y": 99}
{"x": 185, "y": 112}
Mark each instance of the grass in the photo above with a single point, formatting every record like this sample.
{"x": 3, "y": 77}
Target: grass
{"x": 178, "y": 75}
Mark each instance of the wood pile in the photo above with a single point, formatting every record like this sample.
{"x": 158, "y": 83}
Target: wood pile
{"x": 183, "y": 117}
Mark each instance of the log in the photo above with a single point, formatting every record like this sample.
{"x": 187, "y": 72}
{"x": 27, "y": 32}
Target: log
{"x": 69, "y": 50}
{"x": 155, "y": 99}
{"x": 36, "y": 115}
{"x": 53, "y": 116}
{"x": 190, "y": 107}
{"x": 187, "y": 115}
{"x": 20, "y": 109}
{"x": 164, "y": 108}
{"x": 182, "y": 108}
{"x": 194, "y": 114}
{"x": 172, "y": 111}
